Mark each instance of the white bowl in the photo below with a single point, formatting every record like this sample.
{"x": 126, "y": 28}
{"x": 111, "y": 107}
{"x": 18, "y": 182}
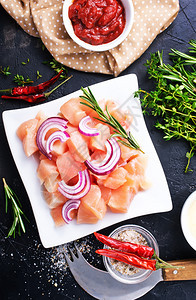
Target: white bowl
{"x": 189, "y": 213}
{"x": 129, "y": 15}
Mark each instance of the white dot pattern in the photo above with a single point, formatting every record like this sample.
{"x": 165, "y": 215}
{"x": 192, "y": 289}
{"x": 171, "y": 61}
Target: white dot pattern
{"x": 43, "y": 19}
{"x": 21, "y": 12}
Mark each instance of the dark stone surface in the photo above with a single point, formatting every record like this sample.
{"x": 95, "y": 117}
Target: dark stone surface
{"x": 27, "y": 270}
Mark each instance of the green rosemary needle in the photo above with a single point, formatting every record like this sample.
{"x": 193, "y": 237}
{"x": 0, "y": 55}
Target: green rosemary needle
{"x": 16, "y": 209}
{"x": 124, "y": 138}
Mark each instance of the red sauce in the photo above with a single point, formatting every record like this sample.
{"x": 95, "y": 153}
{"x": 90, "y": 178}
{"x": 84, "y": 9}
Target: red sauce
{"x": 97, "y": 22}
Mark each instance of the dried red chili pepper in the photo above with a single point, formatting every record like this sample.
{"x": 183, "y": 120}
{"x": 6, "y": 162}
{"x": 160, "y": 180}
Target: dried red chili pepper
{"x": 140, "y": 250}
{"x": 131, "y": 259}
{"x": 28, "y": 98}
{"x": 134, "y": 260}
{"x": 34, "y": 98}
{"x": 29, "y": 90}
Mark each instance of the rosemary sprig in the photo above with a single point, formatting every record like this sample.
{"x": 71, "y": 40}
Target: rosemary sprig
{"x": 16, "y": 209}
{"x": 124, "y": 138}
{"x": 173, "y": 101}
{"x": 178, "y": 72}
{"x": 184, "y": 58}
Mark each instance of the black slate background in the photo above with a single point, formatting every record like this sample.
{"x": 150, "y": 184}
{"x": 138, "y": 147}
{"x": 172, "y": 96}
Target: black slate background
{"x": 26, "y": 268}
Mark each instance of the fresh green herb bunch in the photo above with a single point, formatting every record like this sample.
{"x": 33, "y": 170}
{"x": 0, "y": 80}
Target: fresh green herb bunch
{"x": 57, "y": 67}
{"x": 173, "y": 101}
{"x": 124, "y": 138}
{"x": 16, "y": 209}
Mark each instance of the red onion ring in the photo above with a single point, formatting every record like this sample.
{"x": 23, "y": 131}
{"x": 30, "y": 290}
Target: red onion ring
{"x": 68, "y": 207}
{"x": 79, "y": 190}
{"x": 107, "y": 157}
{"x": 78, "y": 187}
{"x": 62, "y": 136}
{"x": 50, "y": 123}
{"x": 85, "y": 129}
{"x": 100, "y": 169}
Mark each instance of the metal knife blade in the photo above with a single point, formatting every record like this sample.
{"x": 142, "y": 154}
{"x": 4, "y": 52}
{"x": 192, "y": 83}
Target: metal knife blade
{"x": 104, "y": 287}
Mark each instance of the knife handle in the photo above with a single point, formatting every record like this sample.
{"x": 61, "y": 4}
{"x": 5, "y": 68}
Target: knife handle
{"x": 186, "y": 273}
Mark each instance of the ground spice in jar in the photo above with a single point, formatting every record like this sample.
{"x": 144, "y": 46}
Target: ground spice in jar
{"x": 132, "y": 236}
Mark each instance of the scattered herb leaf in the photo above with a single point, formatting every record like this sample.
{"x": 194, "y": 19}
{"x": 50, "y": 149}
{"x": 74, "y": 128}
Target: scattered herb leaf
{"x": 16, "y": 209}
{"x": 5, "y": 71}
{"x": 24, "y": 63}
{"x": 38, "y": 75}
{"x": 43, "y": 47}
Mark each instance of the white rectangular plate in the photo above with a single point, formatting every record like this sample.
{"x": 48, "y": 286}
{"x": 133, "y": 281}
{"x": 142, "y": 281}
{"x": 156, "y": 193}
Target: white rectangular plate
{"x": 156, "y": 199}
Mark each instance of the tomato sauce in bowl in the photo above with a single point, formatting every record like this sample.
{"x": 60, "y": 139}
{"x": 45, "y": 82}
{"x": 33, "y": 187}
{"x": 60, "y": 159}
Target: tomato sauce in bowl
{"x": 97, "y": 22}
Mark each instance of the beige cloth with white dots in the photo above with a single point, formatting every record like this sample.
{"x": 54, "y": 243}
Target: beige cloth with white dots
{"x": 43, "y": 18}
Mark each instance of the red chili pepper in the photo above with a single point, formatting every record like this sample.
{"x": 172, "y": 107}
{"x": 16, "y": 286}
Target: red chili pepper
{"x": 135, "y": 261}
{"x": 29, "y": 90}
{"x": 30, "y": 98}
{"x": 34, "y": 98}
{"x": 140, "y": 250}
{"x": 130, "y": 259}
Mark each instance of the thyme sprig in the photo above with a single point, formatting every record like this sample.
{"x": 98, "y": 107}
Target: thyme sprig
{"x": 57, "y": 67}
{"x": 20, "y": 80}
{"x": 125, "y": 138}
{"x": 16, "y": 209}
{"x": 173, "y": 101}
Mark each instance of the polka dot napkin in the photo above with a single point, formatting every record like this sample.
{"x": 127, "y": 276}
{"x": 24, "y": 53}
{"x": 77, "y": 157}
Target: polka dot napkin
{"x": 43, "y": 18}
